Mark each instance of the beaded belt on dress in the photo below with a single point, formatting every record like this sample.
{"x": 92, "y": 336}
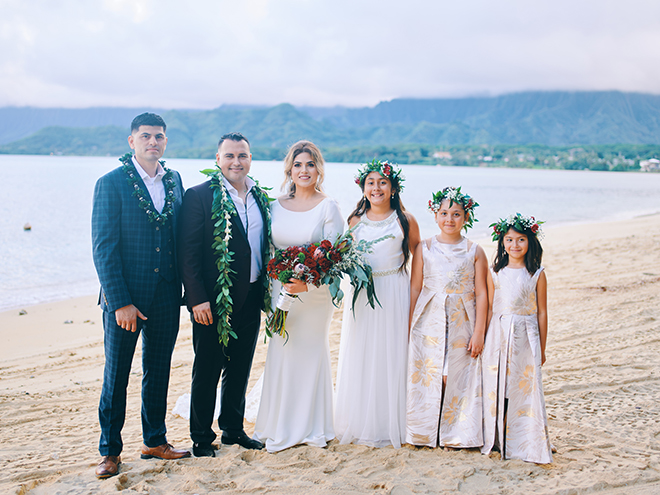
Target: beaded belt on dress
{"x": 384, "y": 273}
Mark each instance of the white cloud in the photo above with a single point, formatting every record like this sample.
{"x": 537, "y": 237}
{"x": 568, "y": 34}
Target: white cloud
{"x": 205, "y": 53}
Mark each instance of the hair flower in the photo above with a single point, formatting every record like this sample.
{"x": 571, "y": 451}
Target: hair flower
{"x": 454, "y": 195}
{"x": 518, "y": 222}
{"x": 385, "y": 169}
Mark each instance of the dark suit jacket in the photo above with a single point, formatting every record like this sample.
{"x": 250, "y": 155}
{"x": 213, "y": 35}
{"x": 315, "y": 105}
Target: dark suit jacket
{"x": 124, "y": 242}
{"x": 197, "y": 261}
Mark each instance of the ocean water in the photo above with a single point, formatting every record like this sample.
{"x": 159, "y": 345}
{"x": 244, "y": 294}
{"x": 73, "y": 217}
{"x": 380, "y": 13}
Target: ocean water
{"x": 54, "y": 194}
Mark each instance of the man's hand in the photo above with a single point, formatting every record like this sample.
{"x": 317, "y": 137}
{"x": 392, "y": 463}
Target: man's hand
{"x": 203, "y": 314}
{"x": 127, "y": 317}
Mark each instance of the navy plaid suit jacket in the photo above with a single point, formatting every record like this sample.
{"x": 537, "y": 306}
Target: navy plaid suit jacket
{"x": 124, "y": 242}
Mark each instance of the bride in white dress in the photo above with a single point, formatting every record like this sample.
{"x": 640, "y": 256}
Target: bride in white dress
{"x": 296, "y": 400}
{"x": 372, "y": 370}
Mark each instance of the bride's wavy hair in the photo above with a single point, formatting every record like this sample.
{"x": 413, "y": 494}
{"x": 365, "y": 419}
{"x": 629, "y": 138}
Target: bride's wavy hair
{"x": 397, "y": 205}
{"x": 302, "y": 147}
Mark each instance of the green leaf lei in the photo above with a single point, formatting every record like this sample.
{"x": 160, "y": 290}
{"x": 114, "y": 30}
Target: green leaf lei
{"x": 222, "y": 212}
{"x": 144, "y": 199}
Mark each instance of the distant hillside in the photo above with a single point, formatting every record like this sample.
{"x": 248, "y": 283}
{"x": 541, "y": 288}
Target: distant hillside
{"x": 543, "y": 118}
{"x": 553, "y": 118}
{"x": 19, "y": 122}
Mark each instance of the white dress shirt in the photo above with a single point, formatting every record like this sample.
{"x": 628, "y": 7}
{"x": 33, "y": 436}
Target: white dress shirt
{"x": 155, "y": 185}
{"x": 250, "y": 216}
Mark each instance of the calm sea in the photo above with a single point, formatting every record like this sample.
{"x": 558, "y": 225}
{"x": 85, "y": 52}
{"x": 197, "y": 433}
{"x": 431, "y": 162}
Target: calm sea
{"x": 54, "y": 194}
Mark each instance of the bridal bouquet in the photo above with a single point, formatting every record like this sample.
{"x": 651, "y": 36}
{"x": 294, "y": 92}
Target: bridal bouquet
{"x": 321, "y": 263}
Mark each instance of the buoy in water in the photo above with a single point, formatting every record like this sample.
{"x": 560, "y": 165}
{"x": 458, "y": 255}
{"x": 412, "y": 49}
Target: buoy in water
{"x": 27, "y": 227}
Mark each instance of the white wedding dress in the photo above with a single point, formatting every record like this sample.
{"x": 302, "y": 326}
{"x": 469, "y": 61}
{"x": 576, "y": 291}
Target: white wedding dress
{"x": 373, "y": 354}
{"x": 296, "y": 399}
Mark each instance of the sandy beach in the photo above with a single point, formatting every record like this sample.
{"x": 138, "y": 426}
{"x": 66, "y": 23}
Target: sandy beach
{"x": 601, "y": 379}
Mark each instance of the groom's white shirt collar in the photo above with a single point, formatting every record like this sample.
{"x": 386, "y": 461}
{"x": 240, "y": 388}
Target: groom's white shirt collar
{"x": 249, "y": 183}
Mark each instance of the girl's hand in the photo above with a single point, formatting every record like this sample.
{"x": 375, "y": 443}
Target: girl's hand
{"x": 476, "y": 345}
{"x": 295, "y": 286}
{"x": 542, "y": 358}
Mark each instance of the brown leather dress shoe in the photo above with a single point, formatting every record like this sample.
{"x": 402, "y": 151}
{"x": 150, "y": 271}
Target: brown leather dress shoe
{"x": 165, "y": 451}
{"x": 109, "y": 466}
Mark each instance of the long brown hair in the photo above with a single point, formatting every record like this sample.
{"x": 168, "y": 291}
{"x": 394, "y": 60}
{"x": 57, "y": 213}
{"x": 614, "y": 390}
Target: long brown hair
{"x": 397, "y": 205}
{"x": 533, "y": 256}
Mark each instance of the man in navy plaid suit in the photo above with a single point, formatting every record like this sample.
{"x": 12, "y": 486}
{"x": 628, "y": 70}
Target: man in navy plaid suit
{"x": 133, "y": 236}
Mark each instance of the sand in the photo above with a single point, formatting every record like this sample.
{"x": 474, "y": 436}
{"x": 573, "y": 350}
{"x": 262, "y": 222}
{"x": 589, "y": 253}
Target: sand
{"x": 601, "y": 382}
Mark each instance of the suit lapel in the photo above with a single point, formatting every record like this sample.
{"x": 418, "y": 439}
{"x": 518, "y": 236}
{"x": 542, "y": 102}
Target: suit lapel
{"x": 265, "y": 241}
{"x": 143, "y": 186}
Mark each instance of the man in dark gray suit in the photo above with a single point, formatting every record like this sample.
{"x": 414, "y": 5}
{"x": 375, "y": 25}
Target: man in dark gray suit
{"x": 133, "y": 235}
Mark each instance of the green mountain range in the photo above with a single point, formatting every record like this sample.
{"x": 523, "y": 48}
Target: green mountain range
{"x": 402, "y": 127}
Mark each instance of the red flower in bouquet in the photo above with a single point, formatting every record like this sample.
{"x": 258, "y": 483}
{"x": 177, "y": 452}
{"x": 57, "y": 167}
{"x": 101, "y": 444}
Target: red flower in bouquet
{"x": 320, "y": 263}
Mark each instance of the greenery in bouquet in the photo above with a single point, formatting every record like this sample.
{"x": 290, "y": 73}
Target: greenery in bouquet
{"x": 322, "y": 263}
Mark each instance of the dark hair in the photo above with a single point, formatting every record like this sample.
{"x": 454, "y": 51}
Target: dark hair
{"x": 147, "y": 119}
{"x": 397, "y": 205}
{"x": 298, "y": 149}
{"x": 533, "y": 255}
{"x": 233, "y": 136}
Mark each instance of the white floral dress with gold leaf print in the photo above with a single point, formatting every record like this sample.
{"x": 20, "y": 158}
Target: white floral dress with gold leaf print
{"x": 442, "y": 325}
{"x": 512, "y": 370}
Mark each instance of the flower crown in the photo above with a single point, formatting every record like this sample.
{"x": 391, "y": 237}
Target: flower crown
{"x": 454, "y": 195}
{"x": 385, "y": 169}
{"x": 519, "y": 222}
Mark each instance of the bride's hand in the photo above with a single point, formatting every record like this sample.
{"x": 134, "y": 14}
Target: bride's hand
{"x": 295, "y": 286}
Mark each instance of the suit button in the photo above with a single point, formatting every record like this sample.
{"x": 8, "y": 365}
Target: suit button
{"x": 157, "y": 228}
{"x": 158, "y": 250}
{"x": 170, "y": 266}
{"x": 156, "y": 270}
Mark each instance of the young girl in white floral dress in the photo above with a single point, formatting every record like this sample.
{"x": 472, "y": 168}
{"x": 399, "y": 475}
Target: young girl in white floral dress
{"x": 515, "y": 420}
{"x": 449, "y": 306}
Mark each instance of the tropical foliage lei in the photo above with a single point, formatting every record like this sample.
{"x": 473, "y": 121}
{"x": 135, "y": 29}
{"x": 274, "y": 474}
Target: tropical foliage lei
{"x": 518, "y": 222}
{"x": 144, "y": 199}
{"x": 387, "y": 170}
{"x": 223, "y": 211}
{"x": 454, "y": 195}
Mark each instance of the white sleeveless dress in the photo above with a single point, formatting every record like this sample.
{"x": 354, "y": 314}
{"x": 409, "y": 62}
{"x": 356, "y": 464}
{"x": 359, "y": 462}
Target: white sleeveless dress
{"x": 371, "y": 373}
{"x": 512, "y": 370}
{"x": 296, "y": 398}
{"x": 442, "y": 325}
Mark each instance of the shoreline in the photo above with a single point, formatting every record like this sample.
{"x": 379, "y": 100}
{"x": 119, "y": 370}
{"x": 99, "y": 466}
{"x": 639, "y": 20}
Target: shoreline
{"x": 483, "y": 241}
{"x": 601, "y": 383}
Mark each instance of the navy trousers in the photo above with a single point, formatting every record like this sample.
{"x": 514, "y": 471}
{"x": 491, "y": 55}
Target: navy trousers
{"x": 159, "y": 334}
{"x": 234, "y": 362}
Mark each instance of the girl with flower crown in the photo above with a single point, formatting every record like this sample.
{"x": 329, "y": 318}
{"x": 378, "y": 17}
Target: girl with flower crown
{"x": 515, "y": 420}
{"x": 371, "y": 374}
{"x": 448, "y": 310}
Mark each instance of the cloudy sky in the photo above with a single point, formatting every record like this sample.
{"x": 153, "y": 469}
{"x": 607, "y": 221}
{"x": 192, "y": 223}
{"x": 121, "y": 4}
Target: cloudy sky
{"x": 205, "y": 53}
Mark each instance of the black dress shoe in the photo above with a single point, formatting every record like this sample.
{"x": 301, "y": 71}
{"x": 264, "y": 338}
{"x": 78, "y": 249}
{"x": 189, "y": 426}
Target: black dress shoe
{"x": 243, "y": 440}
{"x": 203, "y": 450}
